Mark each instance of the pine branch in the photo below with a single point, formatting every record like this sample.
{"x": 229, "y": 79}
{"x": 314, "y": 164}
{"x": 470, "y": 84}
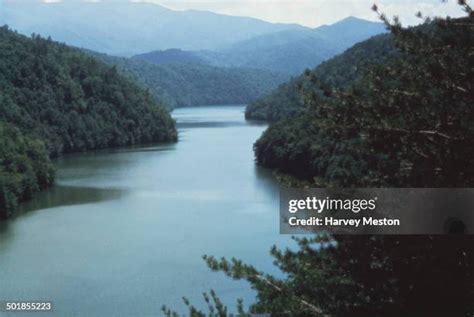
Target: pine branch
{"x": 422, "y": 132}
{"x": 318, "y": 311}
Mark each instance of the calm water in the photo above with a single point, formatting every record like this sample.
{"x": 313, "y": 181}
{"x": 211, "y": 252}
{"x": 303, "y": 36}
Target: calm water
{"x": 123, "y": 232}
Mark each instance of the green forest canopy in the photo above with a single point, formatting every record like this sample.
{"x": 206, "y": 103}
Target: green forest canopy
{"x": 196, "y": 84}
{"x": 25, "y": 168}
{"x": 56, "y": 99}
{"x": 340, "y": 72}
{"x": 404, "y": 123}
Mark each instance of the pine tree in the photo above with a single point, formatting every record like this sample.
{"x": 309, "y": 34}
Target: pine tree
{"x": 406, "y": 123}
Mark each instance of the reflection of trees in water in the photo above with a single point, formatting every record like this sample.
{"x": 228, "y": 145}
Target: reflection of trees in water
{"x": 69, "y": 195}
{"x": 4, "y": 228}
{"x": 267, "y": 183}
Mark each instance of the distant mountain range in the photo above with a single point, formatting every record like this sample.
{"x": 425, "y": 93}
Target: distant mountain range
{"x": 171, "y": 56}
{"x": 188, "y": 57}
{"x": 127, "y": 28}
{"x": 288, "y": 52}
{"x": 338, "y": 72}
{"x": 178, "y": 82}
{"x": 124, "y": 28}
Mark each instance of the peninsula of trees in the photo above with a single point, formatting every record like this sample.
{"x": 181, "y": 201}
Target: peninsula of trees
{"x": 338, "y": 72}
{"x": 56, "y": 99}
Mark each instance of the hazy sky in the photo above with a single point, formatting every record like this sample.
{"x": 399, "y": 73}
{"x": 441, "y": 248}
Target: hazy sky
{"x": 316, "y": 12}
{"x": 310, "y": 12}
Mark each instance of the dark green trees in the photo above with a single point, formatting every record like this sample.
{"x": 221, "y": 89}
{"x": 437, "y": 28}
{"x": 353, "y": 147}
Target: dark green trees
{"x": 69, "y": 101}
{"x": 405, "y": 123}
{"x": 25, "y": 168}
{"x": 197, "y": 84}
{"x": 72, "y": 101}
{"x": 338, "y": 72}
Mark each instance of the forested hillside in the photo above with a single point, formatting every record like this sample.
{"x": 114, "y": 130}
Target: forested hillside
{"x": 126, "y": 28}
{"x": 194, "y": 84}
{"x": 406, "y": 122}
{"x": 338, "y": 72}
{"x": 171, "y": 56}
{"x": 292, "y": 51}
{"x": 25, "y": 168}
{"x": 56, "y": 99}
{"x": 389, "y": 124}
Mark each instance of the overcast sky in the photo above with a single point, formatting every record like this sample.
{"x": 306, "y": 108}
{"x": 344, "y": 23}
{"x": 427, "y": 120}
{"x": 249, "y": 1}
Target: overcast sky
{"x": 317, "y": 12}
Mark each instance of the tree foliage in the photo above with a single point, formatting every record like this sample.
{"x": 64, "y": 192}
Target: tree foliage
{"x": 56, "y": 97}
{"x": 25, "y": 168}
{"x": 72, "y": 101}
{"x": 404, "y": 123}
{"x": 196, "y": 84}
{"x": 339, "y": 72}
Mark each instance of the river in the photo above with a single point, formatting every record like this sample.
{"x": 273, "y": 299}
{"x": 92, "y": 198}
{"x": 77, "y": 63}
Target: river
{"x": 124, "y": 230}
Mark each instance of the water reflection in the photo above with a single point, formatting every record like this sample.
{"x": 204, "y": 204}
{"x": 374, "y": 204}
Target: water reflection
{"x": 4, "y": 227}
{"x": 60, "y": 195}
{"x": 210, "y": 124}
{"x": 124, "y": 230}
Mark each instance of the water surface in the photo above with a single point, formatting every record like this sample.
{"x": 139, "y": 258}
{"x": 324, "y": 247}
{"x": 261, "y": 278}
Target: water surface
{"x": 124, "y": 230}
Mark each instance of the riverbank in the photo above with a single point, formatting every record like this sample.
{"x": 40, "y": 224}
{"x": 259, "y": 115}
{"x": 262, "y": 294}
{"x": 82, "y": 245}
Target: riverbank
{"x": 139, "y": 219}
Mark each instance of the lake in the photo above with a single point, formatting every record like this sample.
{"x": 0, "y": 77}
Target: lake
{"x": 124, "y": 230}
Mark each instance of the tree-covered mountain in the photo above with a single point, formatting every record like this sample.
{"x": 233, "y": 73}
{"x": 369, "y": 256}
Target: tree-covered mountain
{"x": 293, "y": 51}
{"x": 340, "y": 71}
{"x": 402, "y": 118}
{"x": 407, "y": 122}
{"x": 56, "y": 99}
{"x": 25, "y": 168}
{"x": 404, "y": 123}
{"x": 139, "y": 28}
{"x": 244, "y": 72}
{"x": 194, "y": 84}
{"x": 171, "y": 56}
{"x": 122, "y": 27}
